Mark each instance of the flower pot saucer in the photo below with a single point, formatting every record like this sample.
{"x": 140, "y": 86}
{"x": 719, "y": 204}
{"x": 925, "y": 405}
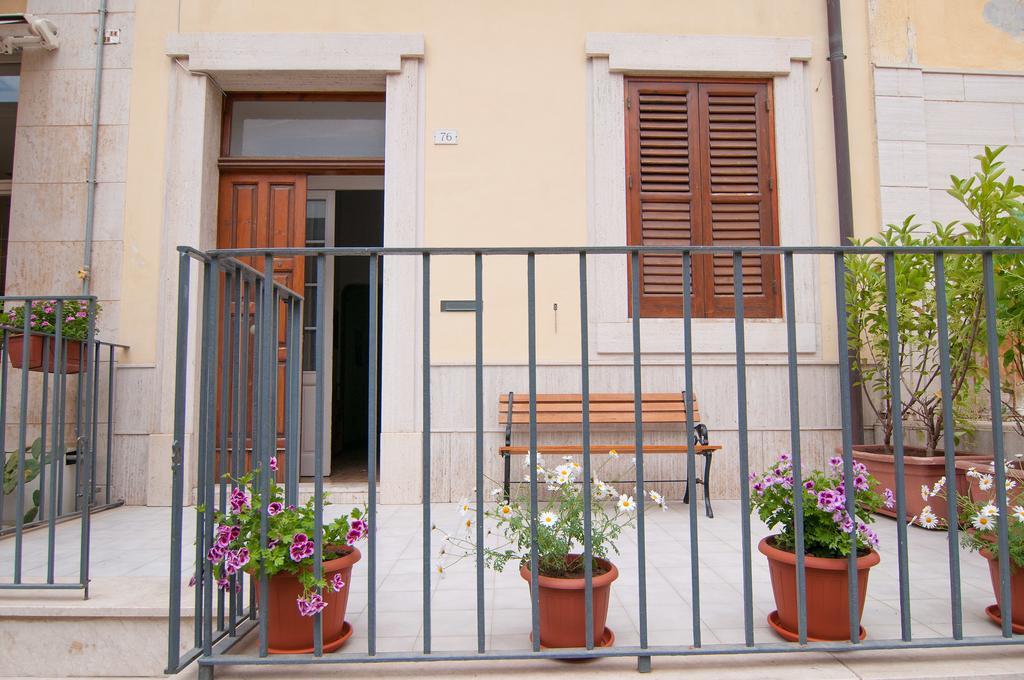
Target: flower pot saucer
{"x": 607, "y": 639}
{"x": 329, "y": 645}
{"x": 993, "y": 613}
{"x": 790, "y": 636}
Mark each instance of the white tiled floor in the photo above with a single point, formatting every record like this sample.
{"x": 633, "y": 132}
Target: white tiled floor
{"x": 130, "y": 546}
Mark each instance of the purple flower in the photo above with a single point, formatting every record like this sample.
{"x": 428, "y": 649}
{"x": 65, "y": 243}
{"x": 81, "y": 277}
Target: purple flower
{"x": 860, "y": 468}
{"x": 835, "y": 461}
{"x": 226, "y": 534}
{"x": 358, "y": 525}
{"x": 784, "y": 458}
{"x": 352, "y": 536}
{"x": 809, "y": 485}
{"x": 890, "y": 499}
{"x": 860, "y": 482}
{"x": 192, "y": 581}
{"x": 235, "y": 560}
{"x": 311, "y": 606}
{"x": 223, "y": 583}
{"x": 787, "y": 482}
{"x": 239, "y": 501}
{"x": 752, "y": 476}
{"x": 215, "y": 554}
{"x": 272, "y": 543}
{"x": 759, "y": 487}
{"x": 301, "y": 548}
{"x": 274, "y": 508}
{"x": 81, "y": 315}
{"x": 273, "y": 463}
{"x": 336, "y": 582}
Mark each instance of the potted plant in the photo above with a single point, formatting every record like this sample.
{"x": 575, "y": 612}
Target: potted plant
{"x": 295, "y": 595}
{"x": 560, "y": 539}
{"x": 995, "y": 205}
{"x": 828, "y": 529}
{"x": 43, "y": 321}
{"x": 979, "y": 513}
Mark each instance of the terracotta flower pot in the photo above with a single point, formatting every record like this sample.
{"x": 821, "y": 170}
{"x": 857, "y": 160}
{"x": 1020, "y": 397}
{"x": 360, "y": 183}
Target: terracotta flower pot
{"x": 828, "y": 611}
{"x": 919, "y": 470}
{"x": 72, "y": 353}
{"x": 563, "y": 608}
{"x": 291, "y": 633}
{"x": 1014, "y": 473}
{"x": 1016, "y": 592}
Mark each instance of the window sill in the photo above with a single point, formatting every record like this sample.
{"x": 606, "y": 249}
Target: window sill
{"x": 710, "y": 336}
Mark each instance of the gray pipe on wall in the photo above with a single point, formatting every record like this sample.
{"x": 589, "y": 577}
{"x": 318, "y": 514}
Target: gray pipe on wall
{"x": 844, "y": 189}
{"x": 90, "y": 205}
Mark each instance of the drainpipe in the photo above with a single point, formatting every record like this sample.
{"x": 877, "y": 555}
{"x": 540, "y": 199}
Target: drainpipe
{"x": 90, "y": 206}
{"x": 844, "y": 190}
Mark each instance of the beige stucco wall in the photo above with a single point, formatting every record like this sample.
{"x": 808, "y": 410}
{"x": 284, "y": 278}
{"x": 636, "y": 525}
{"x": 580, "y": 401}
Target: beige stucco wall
{"x": 985, "y": 35}
{"x": 512, "y": 79}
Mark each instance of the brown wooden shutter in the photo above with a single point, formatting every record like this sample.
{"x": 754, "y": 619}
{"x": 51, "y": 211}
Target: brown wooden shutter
{"x": 700, "y": 171}
{"x": 737, "y": 196}
{"x": 660, "y": 186}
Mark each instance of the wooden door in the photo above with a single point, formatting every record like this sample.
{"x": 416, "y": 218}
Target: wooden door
{"x": 265, "y": 211}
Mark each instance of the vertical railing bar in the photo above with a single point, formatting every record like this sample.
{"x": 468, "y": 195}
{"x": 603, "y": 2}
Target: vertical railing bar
{"x": 62, "y": 418}
{"x": 426, "y": 454}
{"x": 531, "y": 322}
{"x": 42, "y": 427}
{"x": 94, "y": 422}
{"x": 896, "y": 408}
{"x": 177, "y": 474}
{"x": 949, "y": 441}
{"x": 294, "y": 370}
{"x": 256, "y": 414}
{"x": 19, "y": 498}
{"x": 638, "y": 431}
{"x": 588, "y": 538}
{"x": 268, "y": 429}
{"x": 691, "y": 444}
{"x": 206, "y": 581}
{"x": 208, "y": 419}
{"x": 233, "y": 315}
{"x": 224, "y": 412}
{"x": 744, "y": 463}
{"x": 794, "y": 435}
{"x": 372, "y": 447}
{"x": 999, "y": 457}
{"x": 110, "y": 423}
{"x": 479, "y": 371}
{"x": 79, "y": 403}
{"x": 243, "y": 437}
{"x": 4, "y": 352}
{"x": 57, "y": 442}
{"x": 92, "y": 378}
{"x": 318, "y": 443}
{"x": 852, "y": 589}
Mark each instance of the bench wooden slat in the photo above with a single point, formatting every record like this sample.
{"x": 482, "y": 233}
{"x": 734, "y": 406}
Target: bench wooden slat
{"x": 594, "y": 397}
{"x": 562, "y": 418}
{"x": 667, "y": 448}
{"x": 604, "y": 406}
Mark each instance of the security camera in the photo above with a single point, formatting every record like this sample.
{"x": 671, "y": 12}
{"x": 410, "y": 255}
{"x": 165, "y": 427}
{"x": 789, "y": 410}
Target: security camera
{"x": 18, "y": 31}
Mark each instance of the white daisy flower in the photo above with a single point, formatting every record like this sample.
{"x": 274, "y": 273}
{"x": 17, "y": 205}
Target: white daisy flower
{"x": 626, "y": 503}
{"x": 1010, "y": 485}
{"x": 924, "y": 492}
{"x": 549, "y": 519}
{"x": 990, "y": 510}
{"x": 928, "y": 520}
{"x": 1018, "y": 512}
{"x": 973, "y": 472}
{"x": 613, "y": 454}
{"x": 985, "y": 482}
{"x": 464, "y": 507}
{"x": 938, "y": 486}
{"x": 505, "y": 510}
{"x": 983, "y": 522}
{"x": 658, "y": 499}
{"x": 496, "y": 492}
{"x": 567, "y": 459}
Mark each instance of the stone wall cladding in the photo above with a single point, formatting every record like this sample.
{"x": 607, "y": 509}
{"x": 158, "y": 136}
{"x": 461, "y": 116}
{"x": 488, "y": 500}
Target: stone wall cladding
{"x": 931, "y": 125}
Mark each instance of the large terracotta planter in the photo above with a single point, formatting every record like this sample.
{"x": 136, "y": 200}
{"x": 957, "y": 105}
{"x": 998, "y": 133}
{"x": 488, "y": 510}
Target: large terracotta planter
{"x": 977, "y": 495}
{"x": 563, "y": 609}
{"x": 828, "y": 611}
{"x": 1016, "y": 593}
{"x": 919, "y": 470}
{"x": 291, "y": 633}
{"x": 72, "y": 352}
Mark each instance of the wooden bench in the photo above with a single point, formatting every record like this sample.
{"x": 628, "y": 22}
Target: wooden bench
{"x": 606, "y": 408}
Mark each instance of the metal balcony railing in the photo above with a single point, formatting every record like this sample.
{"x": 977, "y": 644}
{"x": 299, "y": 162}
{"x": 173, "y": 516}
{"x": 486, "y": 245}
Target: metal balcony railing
{"x": 57, "y": 405}
{"x": 230, "y": 346}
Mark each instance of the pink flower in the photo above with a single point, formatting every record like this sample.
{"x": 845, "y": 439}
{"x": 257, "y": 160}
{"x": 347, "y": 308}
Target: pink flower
{"x": 890, "y": 499}
{"x": 239, "y": 501}
{"x": 311, "y": 606}
{"x": 215, "y": 554}
{"x": 274, "y": 508}
{"x": 336, "y": 582}
{"x": 273, "y": 463}
{"x": 235, "y": 560}
{"x": 301, "y": 548}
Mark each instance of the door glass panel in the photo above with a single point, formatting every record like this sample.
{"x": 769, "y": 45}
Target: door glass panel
{"x": 328, "y": 129}
{"x": 316, "y": 228}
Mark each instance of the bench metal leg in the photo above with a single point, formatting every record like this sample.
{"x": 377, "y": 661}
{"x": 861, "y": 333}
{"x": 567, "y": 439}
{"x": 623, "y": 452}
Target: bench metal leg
{"x": 707, "y": 485}
{"x": 508, "y": 474}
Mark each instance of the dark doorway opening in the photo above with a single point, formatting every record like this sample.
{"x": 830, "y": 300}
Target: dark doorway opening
{"x": 359, "y": 222}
